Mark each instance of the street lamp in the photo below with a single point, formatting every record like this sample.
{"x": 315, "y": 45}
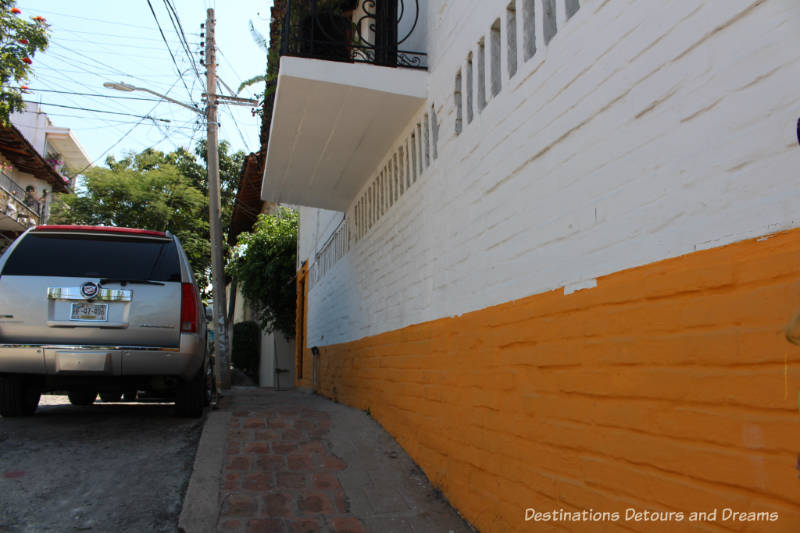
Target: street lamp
{"x": 217, "y": 265}
{"x": 130, "y": 88}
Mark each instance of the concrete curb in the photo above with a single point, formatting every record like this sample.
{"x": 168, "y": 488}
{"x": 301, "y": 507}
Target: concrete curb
{"x": 201, "y": 504}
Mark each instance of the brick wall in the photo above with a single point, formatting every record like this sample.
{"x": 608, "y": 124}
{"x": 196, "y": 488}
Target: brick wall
{"x": 666, "y": 387}
{"x": 643, "y": 130}
{"x": 638, "y": 155}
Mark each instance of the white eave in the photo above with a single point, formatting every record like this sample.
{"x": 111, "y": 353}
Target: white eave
{"x": 68, "y": 146}
{"x": 332, "y": 123}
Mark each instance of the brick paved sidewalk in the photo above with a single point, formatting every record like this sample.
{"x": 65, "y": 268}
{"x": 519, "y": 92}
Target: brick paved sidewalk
{"x": 297, "y": 462}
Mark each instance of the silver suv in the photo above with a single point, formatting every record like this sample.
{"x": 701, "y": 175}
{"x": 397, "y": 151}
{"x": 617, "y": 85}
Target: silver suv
{"x": 95, "y": 309}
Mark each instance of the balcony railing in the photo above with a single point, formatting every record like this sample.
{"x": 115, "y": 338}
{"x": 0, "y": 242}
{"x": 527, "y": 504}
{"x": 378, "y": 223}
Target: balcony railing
{"x": 18, "y": 204}
{"x": 380, "y": 32}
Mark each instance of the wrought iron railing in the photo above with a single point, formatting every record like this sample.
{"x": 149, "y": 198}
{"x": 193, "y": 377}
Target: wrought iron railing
{"x": 366, "y": 31}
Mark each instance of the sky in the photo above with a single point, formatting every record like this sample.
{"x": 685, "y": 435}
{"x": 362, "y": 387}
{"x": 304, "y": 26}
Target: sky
{"x": 92, "y": 42}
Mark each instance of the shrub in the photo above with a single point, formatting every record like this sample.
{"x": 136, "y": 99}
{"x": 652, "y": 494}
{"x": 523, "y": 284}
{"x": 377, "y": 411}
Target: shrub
{"x": 265, "y": 267}
{"x": 246, "y": 347}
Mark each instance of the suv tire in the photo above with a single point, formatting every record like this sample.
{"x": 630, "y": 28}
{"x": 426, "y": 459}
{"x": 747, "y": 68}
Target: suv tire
{"x": 190, "y": 396}
{"x": 81, "y": 397}
{"x": 17, "y": 398}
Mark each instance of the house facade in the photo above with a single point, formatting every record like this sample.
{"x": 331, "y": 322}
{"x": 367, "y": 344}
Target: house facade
{"x": 553, "y": 248}
{"x": 57, "y": 145}
{"x": 33, "y": 154}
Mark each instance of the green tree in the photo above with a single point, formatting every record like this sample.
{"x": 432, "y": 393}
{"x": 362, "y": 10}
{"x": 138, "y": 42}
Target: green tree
{"x": 159, "y": 191}
{"x": 19, "y": 41}
{"x": 266, "y": 267}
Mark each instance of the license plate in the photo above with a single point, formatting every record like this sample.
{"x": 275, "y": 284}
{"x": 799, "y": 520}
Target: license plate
{"x": 89, "y": 312}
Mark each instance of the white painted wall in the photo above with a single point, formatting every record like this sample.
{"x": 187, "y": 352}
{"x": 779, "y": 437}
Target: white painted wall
{"x": 315, "y": 227}
{"x": 32, "y": 124}
{"x": 644, "y": 130}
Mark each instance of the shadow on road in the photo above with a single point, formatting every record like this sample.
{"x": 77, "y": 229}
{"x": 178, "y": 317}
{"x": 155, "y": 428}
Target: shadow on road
{"x": 105, "y": 467}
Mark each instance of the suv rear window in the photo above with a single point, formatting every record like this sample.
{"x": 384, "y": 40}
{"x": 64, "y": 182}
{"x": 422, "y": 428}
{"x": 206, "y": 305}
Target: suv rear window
{"x": 94, "y": 256}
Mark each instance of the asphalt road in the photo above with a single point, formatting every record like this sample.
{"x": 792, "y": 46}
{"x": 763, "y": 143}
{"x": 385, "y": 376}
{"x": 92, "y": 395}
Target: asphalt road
{"x": 107, "y": 467}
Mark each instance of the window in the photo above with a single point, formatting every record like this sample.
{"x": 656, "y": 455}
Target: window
{"x": 96, "y": 256}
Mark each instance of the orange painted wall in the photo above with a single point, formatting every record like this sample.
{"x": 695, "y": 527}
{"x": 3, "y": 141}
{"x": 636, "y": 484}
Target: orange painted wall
{"x": 667, "y": 387}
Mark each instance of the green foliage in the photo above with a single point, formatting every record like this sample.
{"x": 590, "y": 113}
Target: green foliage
{"x": 266, "y": 269}
{"x": 19, "y": 41}
{"x": 251, "y": 81}
{"x": 245, "y": 347}
{"x": 158, "y": 191}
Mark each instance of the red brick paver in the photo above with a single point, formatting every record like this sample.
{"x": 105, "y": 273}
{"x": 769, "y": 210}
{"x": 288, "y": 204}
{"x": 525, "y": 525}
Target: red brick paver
{"x": 279, "y": 475}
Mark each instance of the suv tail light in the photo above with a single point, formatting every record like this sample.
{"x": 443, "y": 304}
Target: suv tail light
{"x": 188, "y": 308}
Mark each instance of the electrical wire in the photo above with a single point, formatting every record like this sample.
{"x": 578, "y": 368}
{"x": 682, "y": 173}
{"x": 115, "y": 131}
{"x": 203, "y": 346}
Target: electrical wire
{"x": 180, "y": 74}
{"x": 227, "y": 108}
{"x": 106, "y": 44}
{"x": 127, "y": 132}
{"x": 107, "y": 122}
{"x": 115, "y": 35}
{"x": 33, "y": 90}
{"x": 102, "y": 111}
{"x": 230, "y": 65}
{"x": 176, "y": 24}
{"x": 97, "y": 20}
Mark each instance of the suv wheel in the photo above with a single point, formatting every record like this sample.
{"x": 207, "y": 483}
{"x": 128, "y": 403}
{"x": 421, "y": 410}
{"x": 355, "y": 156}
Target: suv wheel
{"x": 190, "y": 396}
{"x": 16, "y": 397}
{"x": 81, "y": 397}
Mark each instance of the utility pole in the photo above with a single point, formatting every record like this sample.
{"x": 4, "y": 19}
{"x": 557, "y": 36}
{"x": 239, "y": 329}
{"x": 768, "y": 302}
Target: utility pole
{"x": 217, "y": 264}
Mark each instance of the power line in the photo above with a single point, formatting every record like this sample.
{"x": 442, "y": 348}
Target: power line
{"x": 180, "y": 74}
{"x": 230, "y": 65}
{"x": 109, "y": 44}
{"x": 127, "y": 132}
{"x": 178, "y": 27}
{"x": 233, "y": 119}
{"x": 111, "y": 122}
{"x": 99, "y": 73}
{"x": 84, "y": 56}
{"x": 93, "y": 94}
{"x": 115, "y": 35}
{"x": 96, "y": 20}
{"x": 103, "y": 111}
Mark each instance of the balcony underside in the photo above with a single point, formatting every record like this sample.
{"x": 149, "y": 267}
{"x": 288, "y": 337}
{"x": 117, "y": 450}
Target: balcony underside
{"x": 332, "y": 124}
{"x": 63, "y": 140}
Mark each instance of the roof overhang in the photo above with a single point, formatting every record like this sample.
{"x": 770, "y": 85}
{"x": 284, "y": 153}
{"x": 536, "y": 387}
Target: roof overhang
{"x": 15, "y": 147}
{"x": 332, "y": 123}
{"x": 63, "y": 140}
{"x": 247, "y": 204}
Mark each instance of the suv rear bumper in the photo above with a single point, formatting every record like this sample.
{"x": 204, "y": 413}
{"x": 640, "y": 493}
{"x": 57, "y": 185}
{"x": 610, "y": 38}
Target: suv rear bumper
{"x": 75, "y": 360}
